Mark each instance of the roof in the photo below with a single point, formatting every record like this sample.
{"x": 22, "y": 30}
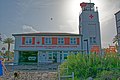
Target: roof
{"x": 117, "y": 12}
{"x": 46, "y": 34}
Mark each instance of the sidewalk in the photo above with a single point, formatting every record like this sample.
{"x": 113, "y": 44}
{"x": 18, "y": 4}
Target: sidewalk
{"x": 32, "y": 75}
{"x": 32, "y": 72}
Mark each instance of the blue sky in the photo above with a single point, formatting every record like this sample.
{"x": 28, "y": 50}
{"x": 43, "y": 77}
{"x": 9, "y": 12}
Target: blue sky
{"x": 18, "y": 16}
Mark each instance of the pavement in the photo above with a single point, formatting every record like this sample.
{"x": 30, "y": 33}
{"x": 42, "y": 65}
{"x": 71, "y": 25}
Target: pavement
{"x": 31, "y": 72}
{"x": 31, "y": 75}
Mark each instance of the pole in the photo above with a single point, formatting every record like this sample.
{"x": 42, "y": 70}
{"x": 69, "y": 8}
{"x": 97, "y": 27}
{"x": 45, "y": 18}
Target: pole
{"x": 90, "y": 1}
{"x": 58, "y": 72}
{"x": 67, "y": 69}
{"x": 82, "y": 43}
{"x": 72, "y": 75}
{"x": 87, "y": 45}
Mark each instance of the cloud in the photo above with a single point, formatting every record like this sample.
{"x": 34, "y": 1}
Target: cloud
{"x": 108, "y": 9}
{"x": 66, "y": 28}
{"x": 27, "y": 28}
{"x": 2, "y": 36}
{"x": 69, "y": 26}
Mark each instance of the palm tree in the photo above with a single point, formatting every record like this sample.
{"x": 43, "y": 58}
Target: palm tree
{"x": 8, "y": 41}
{"x": 115, "y": 41}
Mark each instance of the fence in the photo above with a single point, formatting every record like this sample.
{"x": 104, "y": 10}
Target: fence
{"x": 64, "y": 76}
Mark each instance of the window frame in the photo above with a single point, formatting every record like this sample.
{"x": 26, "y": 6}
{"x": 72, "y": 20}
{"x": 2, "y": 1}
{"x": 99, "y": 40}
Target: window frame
{"x": 60, "y": 41}
{"x": 92, "y": 40}
{"x": 50, "y": 56}
{"x": 73, "y": 41}
{"x": 27, "y": 40}
{"x": 48, "y": 40}
{"x": 65, "y": 57}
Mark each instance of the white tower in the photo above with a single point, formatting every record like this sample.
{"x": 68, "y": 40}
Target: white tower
{"x": 89, "y": 27}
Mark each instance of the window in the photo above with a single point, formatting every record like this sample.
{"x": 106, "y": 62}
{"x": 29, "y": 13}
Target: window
{"x": 48, "y": 40}
{"x": 60, "y": 56}
{"x": 75, "y": 52}
{"x": 61, "y": 51}
{"x": 73, "y": 41}
{"x": 28, "y": 57}
{"x": 60, "y": 40}
{"x": 92, "y": 40}
{"x": 65, "y": 56}
{"x": 50, "y": 56}
{"x": 65, "y": 51}
{"x": 28, "y": 40}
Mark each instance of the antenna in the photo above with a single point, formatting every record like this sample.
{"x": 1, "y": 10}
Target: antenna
{"x": 90, "y": 1}
{"x": 90, "y": 5}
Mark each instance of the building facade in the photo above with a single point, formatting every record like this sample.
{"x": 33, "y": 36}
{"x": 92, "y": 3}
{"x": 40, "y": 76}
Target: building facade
{"x": 89, "y": 27}
{"x": 55, "y": 47}
{"x": 117, "y": 17}
{"x": 45, "y": 47}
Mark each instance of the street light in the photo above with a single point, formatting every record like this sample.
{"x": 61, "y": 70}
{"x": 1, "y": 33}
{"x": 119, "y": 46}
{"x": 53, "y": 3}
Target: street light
{"x": 82, "y": 43}
{"x": 86, "y": 40}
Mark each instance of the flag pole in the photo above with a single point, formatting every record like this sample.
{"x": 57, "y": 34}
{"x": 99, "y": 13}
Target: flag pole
{"x": 90, "y": 1}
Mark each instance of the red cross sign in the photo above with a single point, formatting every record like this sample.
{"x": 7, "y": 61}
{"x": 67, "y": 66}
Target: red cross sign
{"x": 91, "y": 16}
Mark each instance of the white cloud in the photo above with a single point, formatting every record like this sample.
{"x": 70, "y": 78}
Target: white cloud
{"x": 3, "y": 36}
{"x": 65, "y": 28}
{"x": 107, "y": 9}
{"x": 27, "y": 28}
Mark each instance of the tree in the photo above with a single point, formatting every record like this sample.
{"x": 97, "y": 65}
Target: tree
{"x": 8, "y": 41}
{"x": 85, "y": 66}
{"x": 115, "y": 41}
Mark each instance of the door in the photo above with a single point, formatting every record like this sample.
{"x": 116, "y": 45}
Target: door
{"x": 43, "y": 58}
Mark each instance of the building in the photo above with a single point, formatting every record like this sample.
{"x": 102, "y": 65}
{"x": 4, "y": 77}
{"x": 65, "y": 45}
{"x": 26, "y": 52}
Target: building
{"x": 117, "y": 17}
{"x": 45, "y": 47}
{"x": 55, "y": 47}
{"x": 89, "y": 27}
{"x": 110, "y": 49}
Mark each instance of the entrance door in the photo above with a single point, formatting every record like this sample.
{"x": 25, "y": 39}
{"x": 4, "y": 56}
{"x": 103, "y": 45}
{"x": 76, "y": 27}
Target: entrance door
{"x": 43, "y": 58}
{"x": 55, "y": 57}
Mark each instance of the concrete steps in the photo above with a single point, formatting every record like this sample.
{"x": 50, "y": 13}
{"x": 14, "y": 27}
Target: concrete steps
{"x": 39, "y": 67}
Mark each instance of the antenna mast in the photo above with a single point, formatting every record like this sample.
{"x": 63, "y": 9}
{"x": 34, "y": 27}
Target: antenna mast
{"x": 90, "y": 5}
{"x": 90, "y": 1}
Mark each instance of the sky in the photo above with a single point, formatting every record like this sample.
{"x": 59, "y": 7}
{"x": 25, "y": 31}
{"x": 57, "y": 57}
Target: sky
{"x": 20, "y": 16}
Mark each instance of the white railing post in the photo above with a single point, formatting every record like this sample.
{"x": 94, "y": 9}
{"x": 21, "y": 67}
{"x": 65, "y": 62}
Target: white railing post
{"x": 72, "y": 75}
{"x": 65, "y": 76}
{"x": 58, "y": 73}
{"x": 67, "y": 69}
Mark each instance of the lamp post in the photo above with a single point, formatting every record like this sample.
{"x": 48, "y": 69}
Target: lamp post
{"x": 82, "y": 43}
{"x": 0, "y": 38}
{"x": 86, "y": 40}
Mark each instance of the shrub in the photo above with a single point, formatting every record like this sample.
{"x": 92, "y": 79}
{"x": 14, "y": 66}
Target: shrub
{"x": 92, "y": 65}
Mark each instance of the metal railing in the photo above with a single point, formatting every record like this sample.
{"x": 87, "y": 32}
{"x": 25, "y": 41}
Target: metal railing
{"x": 60, "y": 77}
